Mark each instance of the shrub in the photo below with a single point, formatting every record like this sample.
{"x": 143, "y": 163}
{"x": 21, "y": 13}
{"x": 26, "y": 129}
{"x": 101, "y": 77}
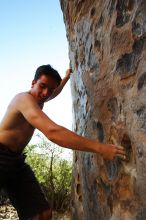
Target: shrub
{"x": 52, "y": 171}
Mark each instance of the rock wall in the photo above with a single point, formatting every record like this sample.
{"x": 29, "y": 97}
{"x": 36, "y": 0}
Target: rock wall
{"x": 107, "y": 50}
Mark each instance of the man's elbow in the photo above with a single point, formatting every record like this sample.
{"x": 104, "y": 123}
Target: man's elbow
{"x": 53, "y": 133}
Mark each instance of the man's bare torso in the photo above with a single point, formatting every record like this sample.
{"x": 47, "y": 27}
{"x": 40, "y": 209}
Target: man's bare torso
{"x": 15, "y": 131}
{"x": 24, "y": 114}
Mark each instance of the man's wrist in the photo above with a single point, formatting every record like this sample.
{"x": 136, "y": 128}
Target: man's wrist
{"x": 99, "y": 148}
{"x": 67, "y": 77}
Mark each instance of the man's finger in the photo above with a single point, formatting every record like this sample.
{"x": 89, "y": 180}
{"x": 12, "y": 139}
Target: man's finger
{"x": 123, "y": 157}
{"x": 119, "y": 151}
{"x": 120, "y": 148}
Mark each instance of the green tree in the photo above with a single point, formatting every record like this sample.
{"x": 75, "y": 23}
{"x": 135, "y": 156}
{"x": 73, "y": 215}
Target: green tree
{"x": 52, "y": 171}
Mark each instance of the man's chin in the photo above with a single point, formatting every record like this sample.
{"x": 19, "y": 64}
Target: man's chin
{"x": 42, "y": 100}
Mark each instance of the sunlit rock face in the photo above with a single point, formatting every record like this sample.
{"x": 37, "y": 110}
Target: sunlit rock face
{"x": 107, "y": 50}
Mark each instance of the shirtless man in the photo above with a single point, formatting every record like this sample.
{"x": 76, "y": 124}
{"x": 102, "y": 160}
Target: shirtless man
{"x": 23, "y": 115}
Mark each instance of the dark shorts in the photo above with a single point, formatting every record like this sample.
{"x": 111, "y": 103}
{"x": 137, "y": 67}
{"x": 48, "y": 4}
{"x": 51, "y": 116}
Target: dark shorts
{"x": 22, "y": 187}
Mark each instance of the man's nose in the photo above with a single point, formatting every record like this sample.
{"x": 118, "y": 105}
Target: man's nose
{"x": 45, "y": 93}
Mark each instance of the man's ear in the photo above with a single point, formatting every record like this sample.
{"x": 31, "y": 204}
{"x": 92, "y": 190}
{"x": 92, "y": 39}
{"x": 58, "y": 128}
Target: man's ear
{"x": 33, "y": 82}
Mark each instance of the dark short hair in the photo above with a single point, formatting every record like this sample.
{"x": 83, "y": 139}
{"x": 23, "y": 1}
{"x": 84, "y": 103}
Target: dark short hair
{"x": 47, "y": 70}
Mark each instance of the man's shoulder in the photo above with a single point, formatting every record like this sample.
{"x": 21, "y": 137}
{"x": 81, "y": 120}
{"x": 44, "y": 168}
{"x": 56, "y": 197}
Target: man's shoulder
{"x": 20, "y": 99}
{"x": 22, "y": 95}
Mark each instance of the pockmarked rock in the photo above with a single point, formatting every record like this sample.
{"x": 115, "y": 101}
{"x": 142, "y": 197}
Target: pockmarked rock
{"x": 107, "y": 51}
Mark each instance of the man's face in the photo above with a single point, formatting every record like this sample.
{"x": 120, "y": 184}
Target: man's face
{"x": 43, "y": 88}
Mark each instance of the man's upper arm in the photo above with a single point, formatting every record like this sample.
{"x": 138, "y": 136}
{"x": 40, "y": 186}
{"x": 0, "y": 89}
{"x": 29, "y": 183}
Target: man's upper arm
{"x": 34, "y": 115}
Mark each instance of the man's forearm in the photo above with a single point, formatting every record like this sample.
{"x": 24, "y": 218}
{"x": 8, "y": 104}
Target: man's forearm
{"x": 69, "y": 139}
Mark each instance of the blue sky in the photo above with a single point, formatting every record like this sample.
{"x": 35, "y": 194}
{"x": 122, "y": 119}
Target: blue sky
{"x": 32, "y": 34}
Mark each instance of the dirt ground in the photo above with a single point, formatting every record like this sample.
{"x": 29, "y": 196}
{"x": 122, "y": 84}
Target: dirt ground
{"x": 7, "y": 212}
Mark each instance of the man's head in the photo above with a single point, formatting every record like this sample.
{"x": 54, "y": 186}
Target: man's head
{"x": 45, "y": 81}
{"x": 48, "y": 71}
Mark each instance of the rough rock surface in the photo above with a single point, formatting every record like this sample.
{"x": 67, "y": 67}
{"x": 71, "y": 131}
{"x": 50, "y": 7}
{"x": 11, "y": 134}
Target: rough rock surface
{"x": 107, "y": 49}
